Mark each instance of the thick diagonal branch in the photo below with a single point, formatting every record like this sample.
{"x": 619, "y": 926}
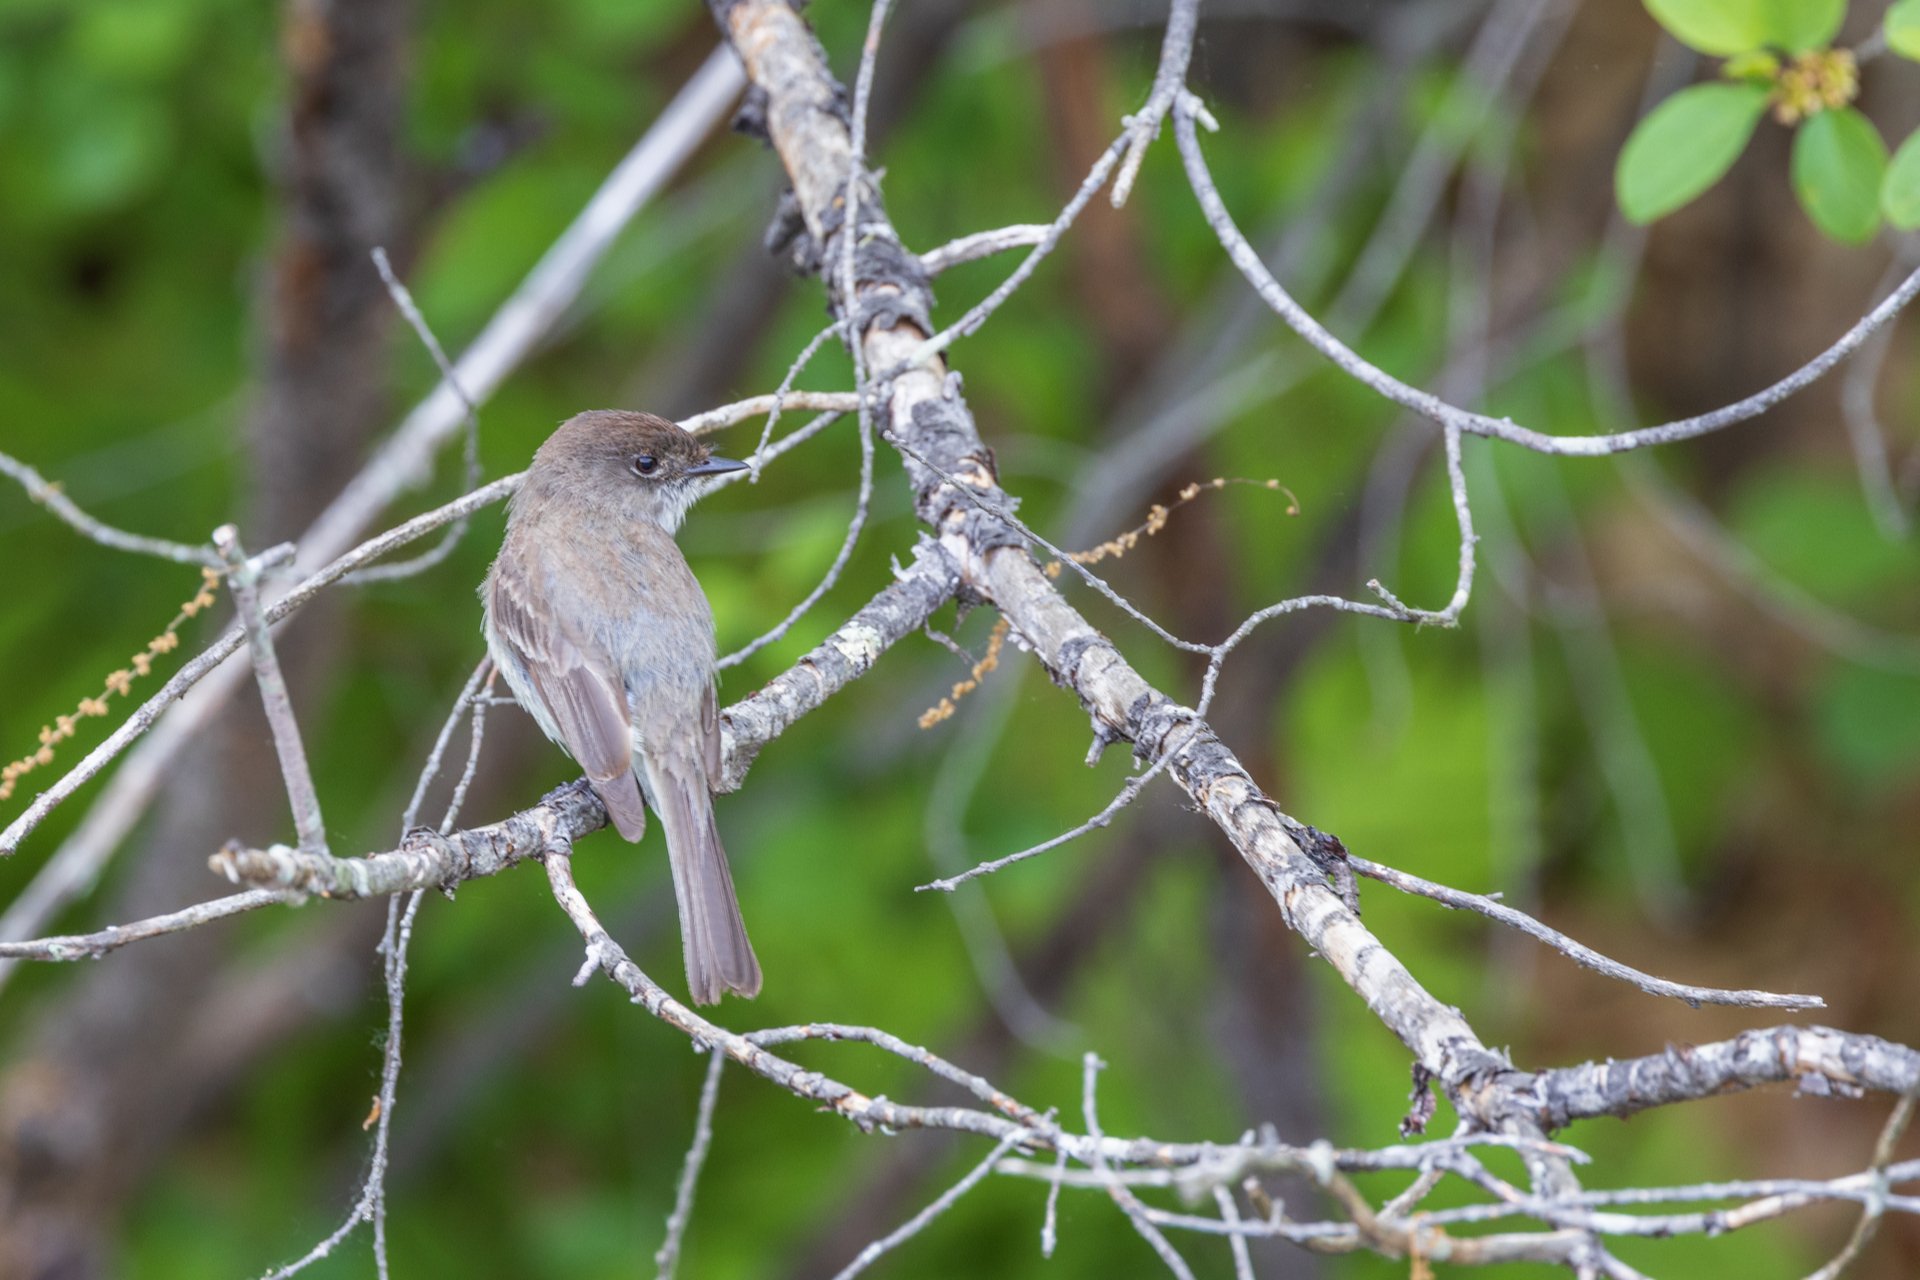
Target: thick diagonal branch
{"x": 925, "y": 410}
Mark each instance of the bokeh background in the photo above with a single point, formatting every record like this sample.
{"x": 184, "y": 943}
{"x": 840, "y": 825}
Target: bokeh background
{"x": 1681, "y": 720}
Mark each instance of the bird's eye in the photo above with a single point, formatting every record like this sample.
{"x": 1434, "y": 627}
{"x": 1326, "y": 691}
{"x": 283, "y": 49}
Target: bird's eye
{"x": 644, "y": 464}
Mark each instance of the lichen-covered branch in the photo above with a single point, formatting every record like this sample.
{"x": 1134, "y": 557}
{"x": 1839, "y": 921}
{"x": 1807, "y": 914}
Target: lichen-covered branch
{"x": 1819, "y": 1060}
{"x": 926, "y": 409}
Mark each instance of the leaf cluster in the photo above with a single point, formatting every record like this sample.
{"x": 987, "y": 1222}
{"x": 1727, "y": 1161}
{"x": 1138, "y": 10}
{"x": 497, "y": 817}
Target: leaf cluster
{"x": 1779, "y": 54}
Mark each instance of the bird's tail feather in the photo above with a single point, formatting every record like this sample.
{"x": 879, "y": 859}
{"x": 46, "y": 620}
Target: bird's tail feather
{"x": 719, "y": 957}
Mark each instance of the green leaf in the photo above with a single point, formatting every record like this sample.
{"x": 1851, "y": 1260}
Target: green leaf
{"x": 1838, "y": 163}
{"x": 1761, "y": 66}
{"x": 1799, "y": 25}
{"x": 1903, "y": 29}
{"x": 1727, "y": 27}
{"x": 1719, "y": 27}
{"x": 1900, "y": 192}
{"x": 1684, "y": 146}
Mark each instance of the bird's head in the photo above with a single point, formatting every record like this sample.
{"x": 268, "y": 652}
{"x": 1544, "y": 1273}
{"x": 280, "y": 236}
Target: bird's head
{"x": 641, "y": 464}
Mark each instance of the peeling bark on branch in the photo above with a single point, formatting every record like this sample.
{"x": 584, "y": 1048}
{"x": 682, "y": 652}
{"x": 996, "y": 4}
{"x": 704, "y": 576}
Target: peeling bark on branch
{"x": 1819, "y": 1060}
{"x": 924, "y": 408}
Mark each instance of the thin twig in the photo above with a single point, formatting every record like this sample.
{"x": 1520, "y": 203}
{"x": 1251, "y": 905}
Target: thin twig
{"x": 1230, "y": 1214}
{"x": 1129, "y": 1203}
{"x": 287, "y": 745}
{"x": 979, "y": 1087}
{"x": 977, "y": 314}
{"x": 1134, "y": 785}
{"x": 1196, "y": 1171}
{"x": 1050, "y": 1223}
{"x": 945, "y": 1201}
{"x": 370, "y": 1205}
{"x": 1572, "y": 1212}
{"x": 943, "y": 823}
{"x": 1013, "y": 522}
{"x": 668, "y": 1255}
{"x": 1427, "y": 405}
{"x": 469, "y": 692}
{"x": 835, "y": 402}
{"x": 1580, "y": 954}
{"x": 781, "y": 392}
{"x": 1176, "y": 51}
{"x": 1875, "y": 1207}
{"x": 480, "y": 702}
{"x": 394, "y": 945}
{"x": 91, "y": 946}
{"x": 470, "y": 448}
{"x": 834, "y": 570}
{"x": 1419, "y": 1189}
{"x": 951, "y": 645}
{"x": 983, "y": 244}
{"x": 48, "y": 494}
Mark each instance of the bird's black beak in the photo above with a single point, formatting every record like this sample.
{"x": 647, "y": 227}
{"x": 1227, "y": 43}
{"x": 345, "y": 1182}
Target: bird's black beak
{"x": 715, "y": 467}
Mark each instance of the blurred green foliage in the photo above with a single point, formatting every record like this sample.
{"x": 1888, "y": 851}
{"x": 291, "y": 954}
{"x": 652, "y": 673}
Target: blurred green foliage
{"x": 133, "y": 147}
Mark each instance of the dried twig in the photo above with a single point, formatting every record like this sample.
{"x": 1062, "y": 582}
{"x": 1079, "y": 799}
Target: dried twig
{"x": 988, "y": 663}
{"x": 1230, "y": 1215}
{"x": 783, "y": 393}
{"x": 1169, "y": 78}
{"x": 1878, "y": 1199}
{"x": 1580, "y": 954}
{"x": 1128, "y": 1202}
{"x": 287, "y": 744}
{"x": 1188, "y": 110}
{"x": 854, "y": 526}
{"x": 470, "y": 446}
{"x": 945, "y": 1201}
{"x": 982, "y": 244}
{"x": 667, "y": 1257}
{"x": 91, "y": 946}
{"x": 48, "y": 494}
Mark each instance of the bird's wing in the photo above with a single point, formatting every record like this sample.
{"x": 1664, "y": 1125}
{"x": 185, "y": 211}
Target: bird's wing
{"x": 582, "y": 700}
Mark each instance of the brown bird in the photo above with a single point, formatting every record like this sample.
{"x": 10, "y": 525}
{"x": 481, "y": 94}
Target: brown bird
{"x": 606, "y": 638}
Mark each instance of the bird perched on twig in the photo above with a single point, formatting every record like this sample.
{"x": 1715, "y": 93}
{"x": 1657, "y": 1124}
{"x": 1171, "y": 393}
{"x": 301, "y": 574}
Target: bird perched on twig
{"x": 605, "y": 637}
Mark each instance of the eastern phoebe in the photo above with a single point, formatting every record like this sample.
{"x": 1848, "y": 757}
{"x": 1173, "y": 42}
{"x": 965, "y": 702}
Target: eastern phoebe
{"x": 606, "y": 639}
